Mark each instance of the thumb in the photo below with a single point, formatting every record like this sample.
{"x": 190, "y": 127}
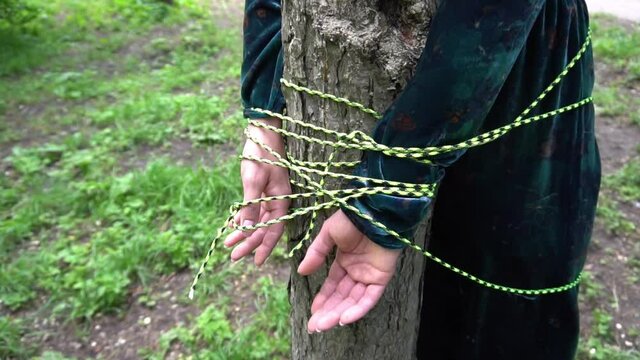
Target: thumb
{"x": 317, "y": 252}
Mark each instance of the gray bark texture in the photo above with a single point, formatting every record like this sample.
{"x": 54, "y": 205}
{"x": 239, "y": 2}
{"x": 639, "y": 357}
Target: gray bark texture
{"x": 365, "y": 50}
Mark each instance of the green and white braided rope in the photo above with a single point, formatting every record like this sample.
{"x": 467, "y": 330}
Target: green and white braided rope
{"x": 358, "y": 140}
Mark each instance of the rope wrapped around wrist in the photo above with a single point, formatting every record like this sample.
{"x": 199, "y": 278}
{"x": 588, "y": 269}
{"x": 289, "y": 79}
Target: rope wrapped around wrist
{"x": 314, "y": 174}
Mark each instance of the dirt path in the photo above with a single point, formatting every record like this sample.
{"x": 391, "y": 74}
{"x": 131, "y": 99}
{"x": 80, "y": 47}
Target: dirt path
{"x": 626, "y": 9}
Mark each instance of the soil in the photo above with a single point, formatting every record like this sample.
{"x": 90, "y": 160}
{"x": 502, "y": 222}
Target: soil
{"x": 148, "y": 315}
{"x": 614, "y": 258}
{"x": 122, "y": 336}
{"x": 617, "y": 142}
{"x": 179, "y": 151}
{"x": 610, "y": 262}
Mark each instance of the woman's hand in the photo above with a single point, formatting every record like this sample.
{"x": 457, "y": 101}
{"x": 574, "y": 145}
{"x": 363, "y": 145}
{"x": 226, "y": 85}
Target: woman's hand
{"x": 357, "y": 278}
{"x": 260, "y": 180}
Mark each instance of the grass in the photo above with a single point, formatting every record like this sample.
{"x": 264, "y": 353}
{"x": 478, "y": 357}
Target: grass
{"x": 610, "y": 215}
{"x": 11, "y": 345}
{"x": 82, "y": 224}
{"x": 626, "y": 181}
{"x": 618, "y": 46}
{"x": 601, "y": 345}
{"x": 267, "y": 333}
{"x": 131, "y": 242}
{"x": 63, "y": 25}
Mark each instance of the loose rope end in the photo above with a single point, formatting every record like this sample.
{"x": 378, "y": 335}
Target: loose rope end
{"x": 191, "y": 293}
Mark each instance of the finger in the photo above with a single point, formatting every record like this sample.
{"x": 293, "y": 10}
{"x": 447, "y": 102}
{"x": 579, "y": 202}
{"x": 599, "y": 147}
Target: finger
{"x": 234, "y": 238}
{"x": 327, "y": 312}
{"x": 336, "y": 273}
{"x": 340, "y": 292}
{"x": 255, "y": 240}
{"x": 253, "y": 183}
{"x": 331, "y": 318}
{"x": 274, "y": 232}
{"x": 369, "y": 299}
{"x": 248, "y": 245}
{"x": 317, "y": 252}
{"x": 239, "y": 235}
{"x": 236, "y": 235}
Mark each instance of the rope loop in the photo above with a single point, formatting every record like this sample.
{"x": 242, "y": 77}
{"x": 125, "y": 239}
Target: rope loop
{"x": 314, "y": 174}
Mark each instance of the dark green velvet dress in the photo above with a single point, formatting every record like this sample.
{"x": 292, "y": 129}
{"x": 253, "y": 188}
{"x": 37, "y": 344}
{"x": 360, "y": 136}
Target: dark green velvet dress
{"x": 518, "y": 211}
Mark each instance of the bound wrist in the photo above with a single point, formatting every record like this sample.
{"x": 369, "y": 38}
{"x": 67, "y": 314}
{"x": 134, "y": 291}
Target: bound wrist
{"x": 268, "y": 121}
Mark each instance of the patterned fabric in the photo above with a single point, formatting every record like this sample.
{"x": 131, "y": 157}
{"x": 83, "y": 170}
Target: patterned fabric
{"x": 518, "y": 211}
{"x": 470, "y": 79}
{"x": 263, "y": 58}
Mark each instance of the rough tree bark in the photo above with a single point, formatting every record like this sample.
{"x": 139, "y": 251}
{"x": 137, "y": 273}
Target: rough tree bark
{"x": 365, "y": 50}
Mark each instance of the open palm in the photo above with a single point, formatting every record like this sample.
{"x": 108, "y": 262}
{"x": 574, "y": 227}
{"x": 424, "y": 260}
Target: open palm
{"x": 357, "y": 278}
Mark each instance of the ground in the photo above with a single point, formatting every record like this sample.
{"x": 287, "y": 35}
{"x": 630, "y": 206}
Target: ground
{"x": 119, "y": 122}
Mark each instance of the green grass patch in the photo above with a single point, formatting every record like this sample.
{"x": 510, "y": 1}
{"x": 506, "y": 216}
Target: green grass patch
{"x": 617, "y": 44}
{"x": 613, "y": 219}
{"x": 11, "y": 344}
{"x": 590, "y": 289}
{"x": 618, "y": 47}
{"x": 76, "y": 226}
{"x": 57, "y": 25}
{"x": 114, "y": 232}
{"x": 611, "y": 101}
{"x": 212, "y": 335}
{"x": 85, "y": 88}
{"x": 626, "y": 181}
{"x": 601, "y": 345}
{"x": 623, "y": 185}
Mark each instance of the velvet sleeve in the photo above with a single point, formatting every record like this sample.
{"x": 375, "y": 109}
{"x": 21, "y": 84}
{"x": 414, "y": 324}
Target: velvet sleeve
{"x": 471, "y": 49}
{"x": 262, "y": 63}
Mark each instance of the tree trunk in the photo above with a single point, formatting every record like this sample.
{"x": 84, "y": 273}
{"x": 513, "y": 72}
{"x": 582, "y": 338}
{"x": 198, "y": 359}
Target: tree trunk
{"x": 364, "y": 50}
